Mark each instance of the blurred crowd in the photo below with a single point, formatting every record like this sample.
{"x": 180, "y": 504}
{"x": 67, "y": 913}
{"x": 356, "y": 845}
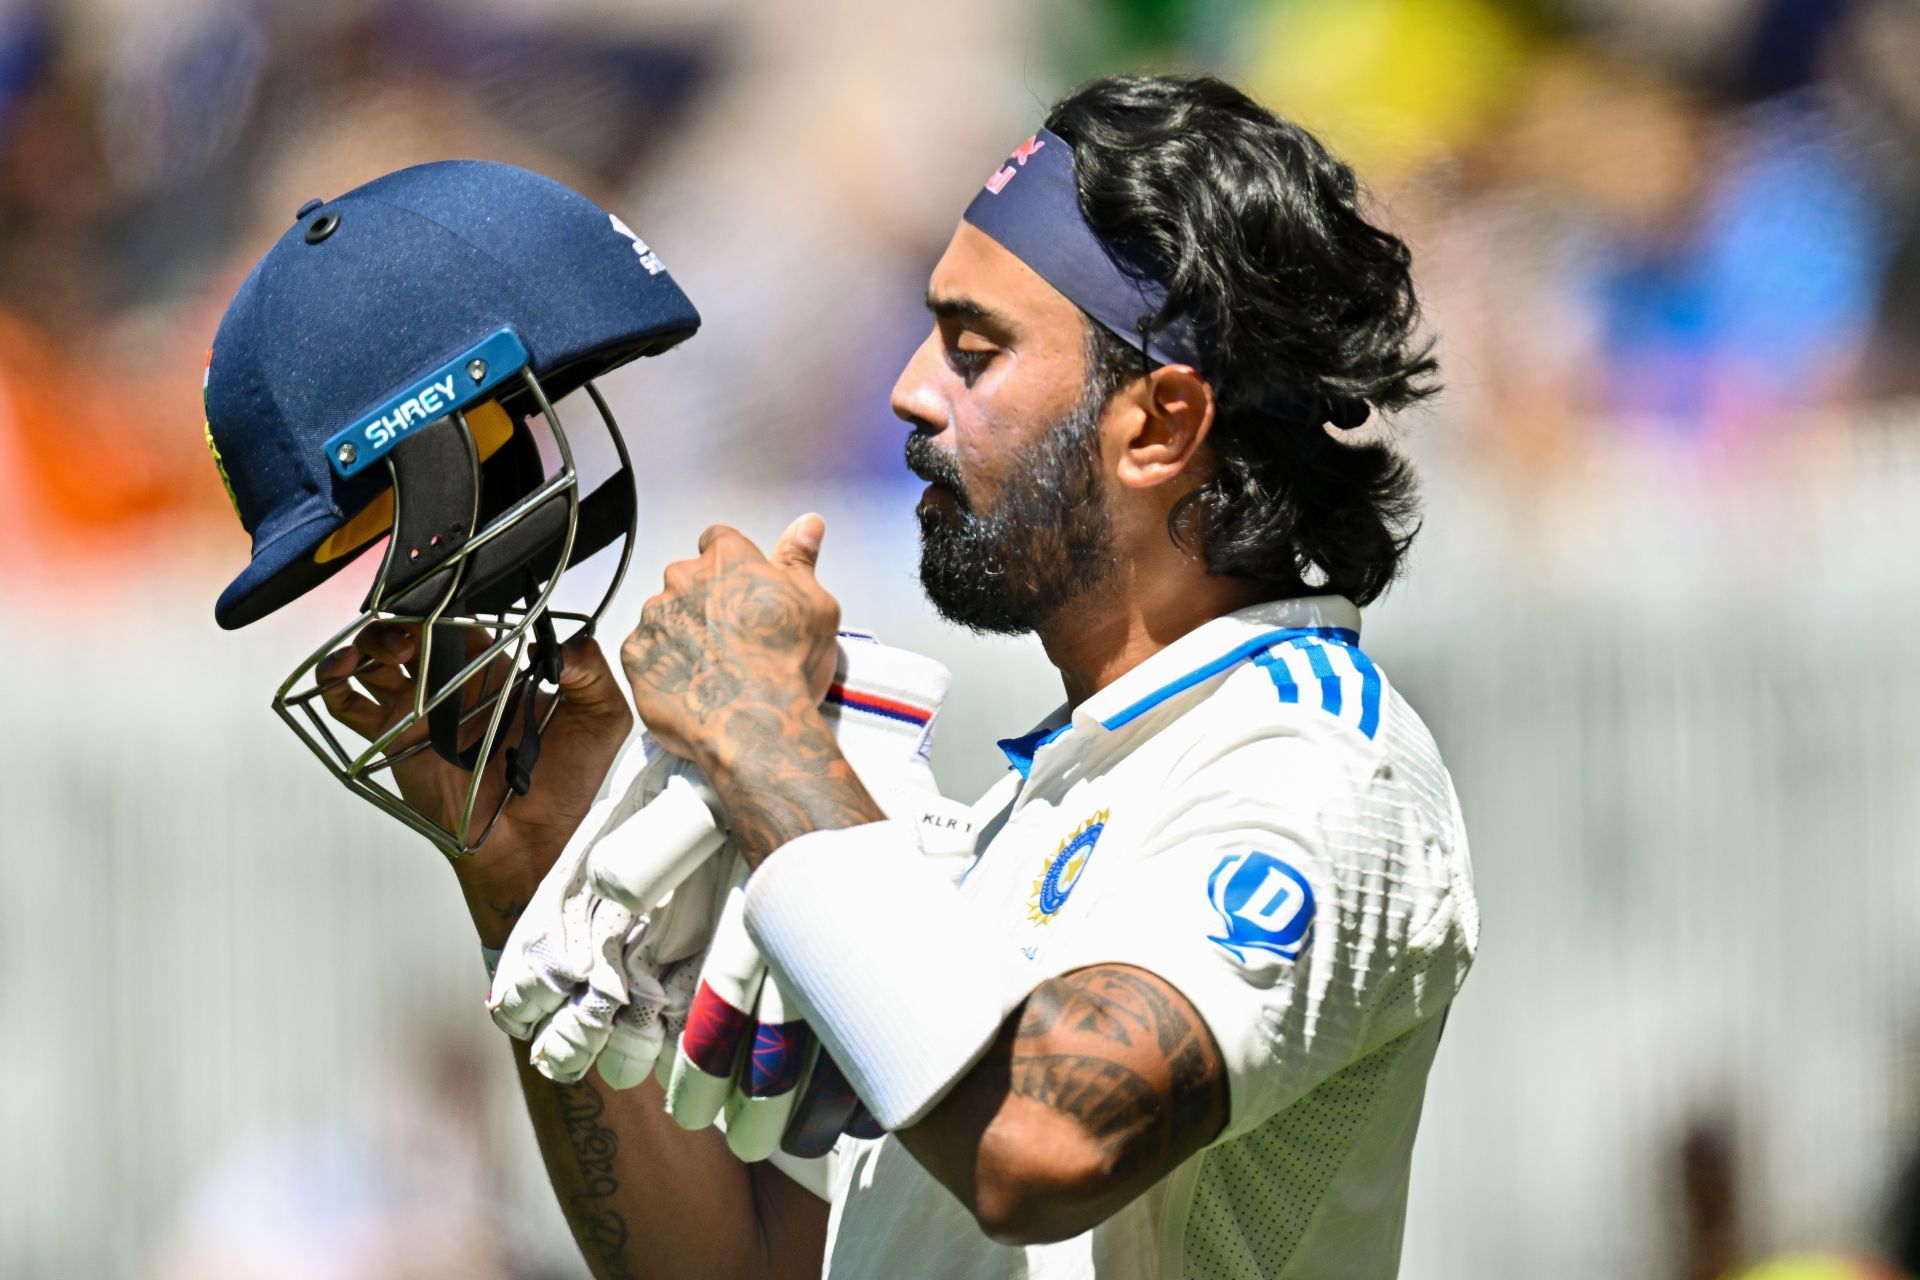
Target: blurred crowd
{"x": 1687, "y": 225}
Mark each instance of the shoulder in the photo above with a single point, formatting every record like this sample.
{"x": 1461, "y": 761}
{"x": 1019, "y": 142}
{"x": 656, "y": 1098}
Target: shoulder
{"x": 1309, "y": 737}
{"x": 1318, "y": 685}
{"x": 1317, "y": 700}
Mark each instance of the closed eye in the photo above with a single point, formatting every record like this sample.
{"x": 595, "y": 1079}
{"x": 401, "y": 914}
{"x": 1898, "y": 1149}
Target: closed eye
{"x": 969, "y": 364}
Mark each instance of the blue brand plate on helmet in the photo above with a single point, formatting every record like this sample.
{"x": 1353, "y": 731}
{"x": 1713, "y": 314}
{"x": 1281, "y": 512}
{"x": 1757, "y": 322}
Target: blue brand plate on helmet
{"x": 458, "y": 384}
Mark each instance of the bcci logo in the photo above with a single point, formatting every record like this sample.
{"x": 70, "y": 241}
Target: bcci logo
{"x": 1064, "y": 869}
{"x": 1264, "y": 905}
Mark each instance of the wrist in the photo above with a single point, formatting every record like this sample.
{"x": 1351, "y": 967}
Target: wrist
{"x": 497, "y": 891}
{"x": 756, "y": 740}
{"x": 780, "y": 774}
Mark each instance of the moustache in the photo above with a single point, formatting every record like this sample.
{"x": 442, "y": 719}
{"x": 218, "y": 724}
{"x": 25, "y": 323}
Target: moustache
{"x": 934, "y": 465}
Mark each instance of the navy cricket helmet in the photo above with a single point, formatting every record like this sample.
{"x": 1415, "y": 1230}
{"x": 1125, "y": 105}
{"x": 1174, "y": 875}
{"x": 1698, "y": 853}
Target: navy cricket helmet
{"x": 379, "y": 375}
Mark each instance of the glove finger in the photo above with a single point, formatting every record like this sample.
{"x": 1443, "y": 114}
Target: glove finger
{"x": 630, "y": 1053}
{"x": 565, "y": 1048}
{"x": 755, "y": 1122}
{"x": 780, "y": 1044}
{"x": 524, "y": 994}
{"x": 640, "y": 862}
{"x": 826, "y": 1104}
{"x": 638, "y": 1034}
{"x": 709, "y": 1052}
{"x": 719, "y": 1022}
{"x": 769, "y": 1082}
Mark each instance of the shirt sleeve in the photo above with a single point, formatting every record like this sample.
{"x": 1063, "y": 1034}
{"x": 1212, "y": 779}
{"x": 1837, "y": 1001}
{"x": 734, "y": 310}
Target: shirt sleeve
{"x": 1299, "y": 901}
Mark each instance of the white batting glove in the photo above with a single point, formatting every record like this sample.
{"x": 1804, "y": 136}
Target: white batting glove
{"x": 563, "y": 978}
{"x": 551, "y": 948}
{"x": 661, "y": 964}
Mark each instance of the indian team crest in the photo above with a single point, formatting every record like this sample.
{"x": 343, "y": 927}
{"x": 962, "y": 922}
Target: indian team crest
{"x": 1064, "y": 869}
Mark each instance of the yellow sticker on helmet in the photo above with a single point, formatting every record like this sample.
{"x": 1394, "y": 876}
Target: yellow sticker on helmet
{"x": 225, "y": 479}
{"x": 491, "y": 428}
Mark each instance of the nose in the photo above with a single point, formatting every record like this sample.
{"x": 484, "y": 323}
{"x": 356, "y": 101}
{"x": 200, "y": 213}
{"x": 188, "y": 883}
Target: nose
{"x": 916, "y": 393}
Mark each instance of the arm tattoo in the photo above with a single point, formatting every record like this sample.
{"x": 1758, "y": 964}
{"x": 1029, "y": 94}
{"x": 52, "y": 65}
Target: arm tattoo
{"x": 1110, "y": 1047}
{"x": 785, "y": 777}
{"x": 599, "y": 1228}
{"x": 1110, "y": 1099}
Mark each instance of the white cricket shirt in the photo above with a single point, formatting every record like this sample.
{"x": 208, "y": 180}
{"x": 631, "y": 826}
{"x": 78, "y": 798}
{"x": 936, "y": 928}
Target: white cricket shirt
{"x": 1256, "y": 816}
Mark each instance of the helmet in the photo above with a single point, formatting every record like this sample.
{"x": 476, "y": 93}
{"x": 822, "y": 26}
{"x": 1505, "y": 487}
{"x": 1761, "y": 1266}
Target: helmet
{"x": 379, "y": 374}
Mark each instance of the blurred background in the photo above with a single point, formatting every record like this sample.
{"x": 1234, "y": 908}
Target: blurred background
{"x": 1661, "y": 618}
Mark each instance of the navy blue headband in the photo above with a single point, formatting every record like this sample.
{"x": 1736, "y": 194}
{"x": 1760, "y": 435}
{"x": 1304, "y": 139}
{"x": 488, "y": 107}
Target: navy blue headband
{"x": 1031, "y": 207}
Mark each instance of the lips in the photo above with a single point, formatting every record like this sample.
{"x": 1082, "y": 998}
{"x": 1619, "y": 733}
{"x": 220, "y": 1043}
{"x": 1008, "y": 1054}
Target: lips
{"x": 929, "y": 463}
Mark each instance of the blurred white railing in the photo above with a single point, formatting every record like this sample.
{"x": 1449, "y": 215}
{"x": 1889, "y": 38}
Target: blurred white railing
{"x": 1680, "y": 712}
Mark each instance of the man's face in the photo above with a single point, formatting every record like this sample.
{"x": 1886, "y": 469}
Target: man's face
{"x": 1014, "y": 526}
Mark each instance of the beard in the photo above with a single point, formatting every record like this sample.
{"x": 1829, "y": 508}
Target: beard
{"x": 1044, "y": 545}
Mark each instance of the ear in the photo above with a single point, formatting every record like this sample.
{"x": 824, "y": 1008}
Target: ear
{"x": 1175, "y": 413}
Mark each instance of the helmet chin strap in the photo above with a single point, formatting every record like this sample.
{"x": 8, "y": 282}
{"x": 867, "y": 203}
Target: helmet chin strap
{"x": 544, "y": 667}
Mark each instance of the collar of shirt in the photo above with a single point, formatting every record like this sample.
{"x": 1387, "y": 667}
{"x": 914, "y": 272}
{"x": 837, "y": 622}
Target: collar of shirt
{"x": 1198, "y": 656}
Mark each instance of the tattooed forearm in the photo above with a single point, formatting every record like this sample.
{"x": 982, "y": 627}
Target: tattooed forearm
{"x": 598, "y": 1227}
{"x": 780, "y": 775}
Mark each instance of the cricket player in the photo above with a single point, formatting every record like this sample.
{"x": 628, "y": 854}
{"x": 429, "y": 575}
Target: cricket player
{"x": 1177, "y": 1018}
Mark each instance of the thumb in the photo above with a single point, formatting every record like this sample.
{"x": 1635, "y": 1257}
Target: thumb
{"x": 585, "y": 678}
{"x": 799, "y": 546}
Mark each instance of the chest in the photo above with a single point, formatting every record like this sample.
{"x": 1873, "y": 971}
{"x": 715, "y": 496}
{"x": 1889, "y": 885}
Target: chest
{"x": 1065, "y": 840}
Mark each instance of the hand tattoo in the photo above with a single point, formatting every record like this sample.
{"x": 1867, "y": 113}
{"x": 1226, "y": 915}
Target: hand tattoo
{"x": 748, "y": 637}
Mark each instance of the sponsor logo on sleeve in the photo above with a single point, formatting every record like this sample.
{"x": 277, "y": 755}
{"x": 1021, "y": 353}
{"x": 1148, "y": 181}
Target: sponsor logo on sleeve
{"x": 1264, "y": 904}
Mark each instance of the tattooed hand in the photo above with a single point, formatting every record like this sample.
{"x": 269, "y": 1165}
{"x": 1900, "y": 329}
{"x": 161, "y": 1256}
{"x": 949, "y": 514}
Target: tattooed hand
{"x": 729, "y": 665}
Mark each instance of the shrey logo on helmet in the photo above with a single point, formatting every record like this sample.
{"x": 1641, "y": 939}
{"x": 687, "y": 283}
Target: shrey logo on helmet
{"x": 382, "y": 373}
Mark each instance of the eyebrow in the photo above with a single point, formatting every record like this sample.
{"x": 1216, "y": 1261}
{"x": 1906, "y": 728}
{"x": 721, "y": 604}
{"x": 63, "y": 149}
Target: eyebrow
{"x": 960, "y": 307}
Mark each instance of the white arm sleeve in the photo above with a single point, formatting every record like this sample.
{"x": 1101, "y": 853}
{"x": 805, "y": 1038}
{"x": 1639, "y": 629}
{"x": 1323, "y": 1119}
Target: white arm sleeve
{"x": 901, "y": 979}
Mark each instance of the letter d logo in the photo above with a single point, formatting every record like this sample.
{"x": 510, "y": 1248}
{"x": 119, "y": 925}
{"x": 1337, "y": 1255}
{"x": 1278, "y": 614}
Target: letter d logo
{"x": 1264, "y": 905}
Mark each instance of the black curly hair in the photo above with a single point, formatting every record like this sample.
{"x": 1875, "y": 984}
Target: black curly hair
{"x": 1257, "y": 232}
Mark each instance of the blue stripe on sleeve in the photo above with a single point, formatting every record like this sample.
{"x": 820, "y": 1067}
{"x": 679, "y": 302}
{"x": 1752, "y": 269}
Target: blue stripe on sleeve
{"x": 1330, "y": 697}
{"x": 1369, "y": 691}
{"x": 1277, "y": 671}
{"x": 1237, "y": 655}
